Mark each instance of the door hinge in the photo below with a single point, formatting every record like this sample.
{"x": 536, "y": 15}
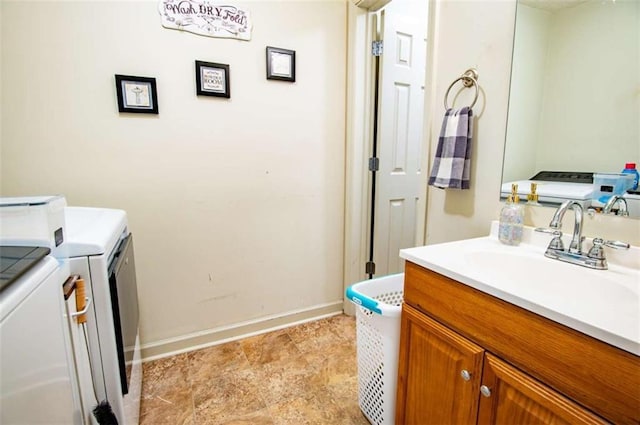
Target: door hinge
{"x": 374, "y": 164}
{"x": 370, "y": 267}
{"x": 376, "y": 48}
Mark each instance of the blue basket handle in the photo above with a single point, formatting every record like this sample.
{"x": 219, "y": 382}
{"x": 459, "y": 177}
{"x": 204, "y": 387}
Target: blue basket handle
{"x": 363, "y": 301}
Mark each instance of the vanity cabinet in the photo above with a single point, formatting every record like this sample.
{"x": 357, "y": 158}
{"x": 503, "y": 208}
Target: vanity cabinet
{"x": 467, "y": 357}
{"x": 511, "y": 396}
{"x": 436, "y": 355}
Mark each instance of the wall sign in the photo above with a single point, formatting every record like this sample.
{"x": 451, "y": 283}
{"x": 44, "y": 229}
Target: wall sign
{"x": 212, "y": 79}
{"x": 206, "y": 18}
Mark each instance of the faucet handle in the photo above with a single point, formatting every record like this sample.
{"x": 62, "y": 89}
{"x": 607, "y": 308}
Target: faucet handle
{"x": 597, "y": 250}
{"x": 556, "y": 242}
{"x": 549, "y": 230}
{"x": 616, "y": 244}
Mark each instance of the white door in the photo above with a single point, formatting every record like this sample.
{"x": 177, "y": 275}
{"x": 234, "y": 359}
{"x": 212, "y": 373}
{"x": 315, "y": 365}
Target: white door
{"x": 400, "y": 121}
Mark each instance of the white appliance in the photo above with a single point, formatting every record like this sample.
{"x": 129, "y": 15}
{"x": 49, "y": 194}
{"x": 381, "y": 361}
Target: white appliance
{"x": 555, "y": 187}
{"x": 38, "y": 377}
{"x": 33, "y": 221}
{"x": 100, "y": 249}
{"x": 97, "y": 246}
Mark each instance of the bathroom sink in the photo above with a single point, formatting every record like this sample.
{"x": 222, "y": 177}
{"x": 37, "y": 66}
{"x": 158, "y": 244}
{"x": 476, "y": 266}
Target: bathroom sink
{"x": 613, "y": 295}
{"x": 555, "y": 276}
{"x": 604, "y": 304}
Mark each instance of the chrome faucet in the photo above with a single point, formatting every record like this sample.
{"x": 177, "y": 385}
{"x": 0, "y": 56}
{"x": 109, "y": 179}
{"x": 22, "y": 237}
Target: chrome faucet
{"x": 623, "y": 209}
{"x": 594, "y": 258}
{"x": 556, "y": 224}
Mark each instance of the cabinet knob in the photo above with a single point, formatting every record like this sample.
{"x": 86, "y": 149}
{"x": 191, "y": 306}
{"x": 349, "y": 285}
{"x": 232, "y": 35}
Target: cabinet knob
{"x": 465, "y": 375}
{"x": 486, "y": 391}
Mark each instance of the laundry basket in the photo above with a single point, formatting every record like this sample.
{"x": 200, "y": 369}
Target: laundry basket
{"x": 379, "y": 304}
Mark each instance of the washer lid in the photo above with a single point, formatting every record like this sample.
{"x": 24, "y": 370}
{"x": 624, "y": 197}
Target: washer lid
{"x": 17, "y": 201}
{"x": 17, "y": 260}
{"x": 548, "y": 189}
{"x": 47, "y": 271}
{"x": 92, "y": 231}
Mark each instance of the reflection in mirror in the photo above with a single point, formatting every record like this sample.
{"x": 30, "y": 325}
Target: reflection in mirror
{"x": 574, "y": 105}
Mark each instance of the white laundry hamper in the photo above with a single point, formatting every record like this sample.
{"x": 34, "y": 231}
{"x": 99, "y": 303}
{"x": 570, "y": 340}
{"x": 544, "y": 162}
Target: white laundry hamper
{"x": 379, "y": 304}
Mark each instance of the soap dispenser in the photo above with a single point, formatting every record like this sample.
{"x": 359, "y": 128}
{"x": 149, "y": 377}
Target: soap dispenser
{"x": 532, "y": 197}
{"x": 511, "y": 219}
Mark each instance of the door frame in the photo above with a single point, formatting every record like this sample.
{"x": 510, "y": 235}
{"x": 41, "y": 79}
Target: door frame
{"x": 359, "y": 132}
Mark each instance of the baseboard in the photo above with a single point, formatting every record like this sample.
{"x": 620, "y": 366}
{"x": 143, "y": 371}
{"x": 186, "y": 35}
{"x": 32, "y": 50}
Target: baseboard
{"x": 194, "y": 341}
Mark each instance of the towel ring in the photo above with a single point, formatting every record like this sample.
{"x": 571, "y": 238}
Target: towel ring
{"x": 469, "y": 78}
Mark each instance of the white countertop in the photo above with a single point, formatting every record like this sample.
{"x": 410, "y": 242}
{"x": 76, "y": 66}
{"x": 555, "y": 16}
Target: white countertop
{"x": 604, "y": 304}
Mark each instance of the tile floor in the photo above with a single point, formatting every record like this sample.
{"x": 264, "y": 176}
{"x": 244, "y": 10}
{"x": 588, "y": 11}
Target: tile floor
{"x": 304, "y": 374}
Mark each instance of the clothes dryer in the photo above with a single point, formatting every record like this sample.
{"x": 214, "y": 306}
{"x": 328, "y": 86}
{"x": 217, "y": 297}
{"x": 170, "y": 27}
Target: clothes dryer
{"x": 99, "y": 248}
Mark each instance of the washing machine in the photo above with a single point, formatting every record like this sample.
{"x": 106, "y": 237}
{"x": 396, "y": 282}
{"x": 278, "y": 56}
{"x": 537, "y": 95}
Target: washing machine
{"x": 38, "y": 375}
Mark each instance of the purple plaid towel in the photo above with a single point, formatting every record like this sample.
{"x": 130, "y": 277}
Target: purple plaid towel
{"x": 451, "y": 166}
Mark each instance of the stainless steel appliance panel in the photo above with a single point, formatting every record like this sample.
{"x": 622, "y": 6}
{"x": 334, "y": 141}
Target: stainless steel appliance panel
{"x": 124, "y": 301}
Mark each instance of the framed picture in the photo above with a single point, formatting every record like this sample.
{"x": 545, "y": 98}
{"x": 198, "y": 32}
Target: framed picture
{"x": 212, "y": 79}
{"x": 137, "y": 94}
{"x": 281, "y": 64}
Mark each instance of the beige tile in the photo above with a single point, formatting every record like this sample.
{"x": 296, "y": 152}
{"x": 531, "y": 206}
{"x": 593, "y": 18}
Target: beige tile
{"x": 317, "y": 410}
{"x": 165, "y": 376}
{"x": 313, "y": 336}
{"x": 209, "y": 363}
{"x": 353, "y": 415}
{"x": 305, "y": 374}
{"x": 261, "y": 417}
{"x": 297, "y": 411}
{"x": 269, "y": 347}
{"x": 345, "y": 391}
{"x": 344, "y": 326}
{"x": 175, "y": 408}
{"x": 286, "y": 379}
{"x": 337, "y": 412}
{"x": 345, "y": 395}
{"x": 334, "y": 363}
{"x": 230, "y": 395}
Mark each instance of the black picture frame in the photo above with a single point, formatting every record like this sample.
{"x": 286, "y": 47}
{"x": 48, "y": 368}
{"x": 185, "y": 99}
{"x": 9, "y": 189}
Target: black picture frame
{"x": 281, "y": 64}
{"x": 212, "y": 79}
{"x": 137, "y": 95}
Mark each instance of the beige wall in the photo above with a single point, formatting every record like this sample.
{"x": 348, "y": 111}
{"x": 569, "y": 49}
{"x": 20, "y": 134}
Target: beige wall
{"x": 471, "y": 34}
{"x": 236, "y": 205}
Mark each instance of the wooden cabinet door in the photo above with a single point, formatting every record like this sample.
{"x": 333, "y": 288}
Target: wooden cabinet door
{"x": 514, "y": 397}
{"x": 431, "y": 388}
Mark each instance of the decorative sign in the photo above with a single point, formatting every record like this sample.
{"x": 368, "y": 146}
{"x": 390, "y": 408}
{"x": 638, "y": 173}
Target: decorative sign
{"x": 205, "y": 18}
{"x": 281, "y": 64}
{"x": 212, "y": 79}
{"x": 136, "y": 94}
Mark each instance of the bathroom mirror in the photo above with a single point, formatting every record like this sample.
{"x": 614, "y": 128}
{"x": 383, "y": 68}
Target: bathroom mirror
{"x": 574, "y": 102}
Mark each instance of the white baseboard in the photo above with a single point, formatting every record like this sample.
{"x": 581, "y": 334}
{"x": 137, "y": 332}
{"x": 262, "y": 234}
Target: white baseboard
{"x": 194, "y": 341}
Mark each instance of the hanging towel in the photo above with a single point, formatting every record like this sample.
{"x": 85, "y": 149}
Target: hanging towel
{"x": 451, "y": 167}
